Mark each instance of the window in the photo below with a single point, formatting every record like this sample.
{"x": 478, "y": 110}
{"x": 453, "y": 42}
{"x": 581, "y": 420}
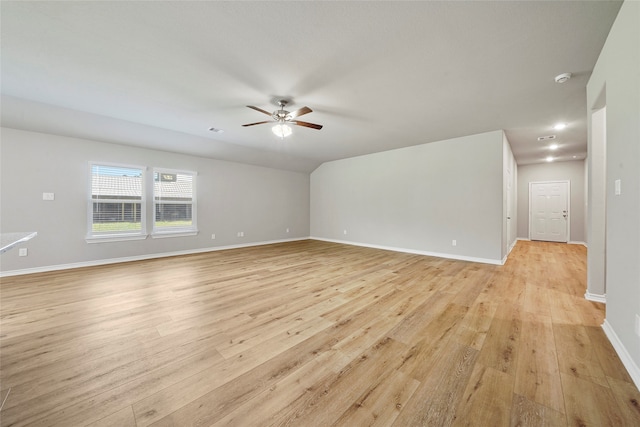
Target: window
{"x": 117, "y": 204}
{"x": 174, "y": 202}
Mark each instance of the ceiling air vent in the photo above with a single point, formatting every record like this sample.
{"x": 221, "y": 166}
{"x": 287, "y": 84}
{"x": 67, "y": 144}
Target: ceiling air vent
{"x": 546, "y": 138}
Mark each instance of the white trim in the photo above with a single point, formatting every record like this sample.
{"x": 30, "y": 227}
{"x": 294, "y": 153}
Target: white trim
{"x": 108, "y": 238}
{"x": 595, "y": 297}
{"x": 179, "y": 233}
{"x": 414, "y": 251}
{"x": 524, "y": 239}
{"x": 48, "y": 268}
{"x": 623, "y": 354}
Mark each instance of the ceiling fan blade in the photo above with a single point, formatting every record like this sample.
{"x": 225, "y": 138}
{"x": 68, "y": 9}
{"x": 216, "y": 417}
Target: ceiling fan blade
{"x": 259, "y": 109}
{"x": 306, "y": 124}
{"x": 257, "y": 123}
{"x": 300, "y": 112}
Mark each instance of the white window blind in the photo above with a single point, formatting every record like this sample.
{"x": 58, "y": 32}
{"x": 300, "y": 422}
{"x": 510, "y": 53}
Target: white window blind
{"x": 117, "y": 203}
{"x": 174, "y": 202}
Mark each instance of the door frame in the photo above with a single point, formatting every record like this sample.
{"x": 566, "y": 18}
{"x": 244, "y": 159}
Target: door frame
{"x": 568, "y": 204}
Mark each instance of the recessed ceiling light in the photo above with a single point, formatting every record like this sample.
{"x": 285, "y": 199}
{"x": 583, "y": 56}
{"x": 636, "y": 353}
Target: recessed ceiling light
{"x": 549, "y": 159}
{"x": 216, "y": 130}
{"x": 560, "y": 126}
{"x": 553, "y": 147}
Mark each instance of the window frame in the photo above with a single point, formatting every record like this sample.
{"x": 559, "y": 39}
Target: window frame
{"x": 163, "y": 232}
{"x": 109, "y": 236}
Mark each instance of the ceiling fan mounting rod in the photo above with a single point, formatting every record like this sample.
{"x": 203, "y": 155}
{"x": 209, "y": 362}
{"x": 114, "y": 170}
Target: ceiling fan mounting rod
{"x": 281, "y": 115}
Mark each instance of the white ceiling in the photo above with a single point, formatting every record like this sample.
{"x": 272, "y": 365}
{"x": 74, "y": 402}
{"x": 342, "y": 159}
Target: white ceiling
{"x": 378, "y": 75}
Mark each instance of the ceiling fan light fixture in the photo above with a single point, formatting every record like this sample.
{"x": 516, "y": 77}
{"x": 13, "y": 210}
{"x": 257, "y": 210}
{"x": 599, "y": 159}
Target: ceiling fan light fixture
{"x": 281, "y": 130}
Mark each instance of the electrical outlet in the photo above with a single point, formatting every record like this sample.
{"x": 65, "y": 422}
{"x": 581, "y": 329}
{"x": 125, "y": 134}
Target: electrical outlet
{"x": 287, "y": 230}
{"x": 213, "y": 236}
{"x": 637, "y": 325}
{"x": 48, "y": 196}
{"x": 454, "y": 243}
{"x": 240, "y": 233}
{"x": 345, "y": 232}
{"x": 23, "y": 252}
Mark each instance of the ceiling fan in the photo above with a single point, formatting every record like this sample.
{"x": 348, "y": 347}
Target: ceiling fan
{"x": 283, "y": 118}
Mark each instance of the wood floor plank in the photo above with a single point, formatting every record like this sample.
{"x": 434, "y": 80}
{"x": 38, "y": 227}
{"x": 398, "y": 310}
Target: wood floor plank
{"x": 525, "y": 413}
{"x": 628, "y": 398}
{"x": 537, "y": 375}
{"x": 476, "y": 323}
{"x": 382, "y": 405}
{"x": 71, "y": 384}
{"x": 611, "y": 365}
{"x": 179, "y": 394}
{"x": 590, "y": 404}
{"x": 576, "y": 354}
{"x": 53, "y": 409}
{"x": 331, "y": 397}
{"x": 274, "y": 398}
{"x": 437, "y": 397}
{"x": 487, "y": 400}
{"x": 500, "y": 347}
{"x": 122, "y": 418}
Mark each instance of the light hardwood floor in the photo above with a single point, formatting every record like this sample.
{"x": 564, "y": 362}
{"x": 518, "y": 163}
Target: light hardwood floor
{"x": 312, "y": 334}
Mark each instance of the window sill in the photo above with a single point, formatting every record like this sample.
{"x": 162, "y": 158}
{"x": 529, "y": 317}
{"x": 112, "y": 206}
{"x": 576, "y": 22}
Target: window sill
{"x": 165, "y": 234}
{"x": 108, "y": 238}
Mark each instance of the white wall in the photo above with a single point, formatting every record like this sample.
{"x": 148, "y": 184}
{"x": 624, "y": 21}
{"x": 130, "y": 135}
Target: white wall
{"x": 232, "y": 197}
{"x": 557, "y": 171}
{"x": 618, "y": 69}
{"x": 416, "y": 199}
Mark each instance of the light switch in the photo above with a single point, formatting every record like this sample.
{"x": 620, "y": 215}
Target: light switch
{"x": 618, "y": 187}
{"x": 48, "y": 196}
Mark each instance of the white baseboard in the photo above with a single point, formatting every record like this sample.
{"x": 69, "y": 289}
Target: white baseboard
{"x": 138, "y": 258}
{"x": 595, "y": 297}
{"x": 413, "y": 251}
{"x": 571, "y": 242}
{"x": 625, "y": 357}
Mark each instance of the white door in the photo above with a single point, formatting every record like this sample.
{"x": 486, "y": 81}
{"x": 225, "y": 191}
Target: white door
{"x": 509, "y": 199}
{"x": 548, "y": 211}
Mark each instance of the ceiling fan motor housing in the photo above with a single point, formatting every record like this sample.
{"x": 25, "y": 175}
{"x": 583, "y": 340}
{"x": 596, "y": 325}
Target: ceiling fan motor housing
{"x": 281, "y": 115}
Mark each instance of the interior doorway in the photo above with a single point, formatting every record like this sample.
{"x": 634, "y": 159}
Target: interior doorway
{"x": 549, "y": 211}
{"x": 597, "y": 202}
